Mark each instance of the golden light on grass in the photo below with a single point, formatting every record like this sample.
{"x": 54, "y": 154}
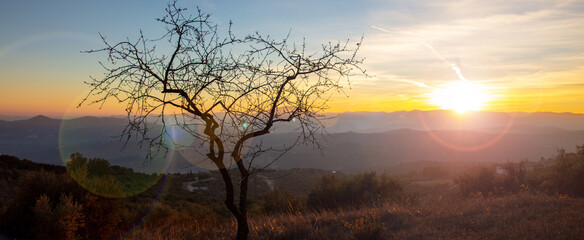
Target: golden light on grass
{"x": 460, "y": 96}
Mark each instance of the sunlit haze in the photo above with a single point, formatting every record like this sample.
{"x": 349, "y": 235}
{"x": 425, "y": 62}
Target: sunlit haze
{"x": 503, "y": 56}
{"x": 460, "y": 96}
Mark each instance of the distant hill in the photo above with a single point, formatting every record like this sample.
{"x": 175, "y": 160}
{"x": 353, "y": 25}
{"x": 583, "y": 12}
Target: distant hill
{"x": 13, "y": 163}
{"x": 51, "y": 141}
{"x": 352, "y": 152}
{"x": 368, "y": 122}
{"x": 358, "y": 141}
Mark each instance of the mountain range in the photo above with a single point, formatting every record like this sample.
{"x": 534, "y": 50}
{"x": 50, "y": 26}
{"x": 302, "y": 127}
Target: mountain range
{"x": 355, "y": 141}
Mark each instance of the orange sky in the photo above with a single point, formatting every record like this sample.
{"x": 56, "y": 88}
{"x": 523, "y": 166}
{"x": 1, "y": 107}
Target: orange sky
{"x": 527, "y": 56}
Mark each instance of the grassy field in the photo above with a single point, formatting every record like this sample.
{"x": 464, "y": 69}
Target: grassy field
{"x": 518, "y": 216}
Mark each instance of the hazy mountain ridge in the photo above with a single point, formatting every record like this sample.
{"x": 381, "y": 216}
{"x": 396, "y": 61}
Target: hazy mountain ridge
{"x": 357, "y": 141}
{"x": 369, "y": 151}
{"x": 448, "y": 120}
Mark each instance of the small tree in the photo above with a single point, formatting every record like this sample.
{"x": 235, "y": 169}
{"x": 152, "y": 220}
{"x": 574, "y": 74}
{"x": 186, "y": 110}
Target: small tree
{"x": 569, "y": 172}
{"x": 224, "y": 91}
{"x": 59, "y": 222}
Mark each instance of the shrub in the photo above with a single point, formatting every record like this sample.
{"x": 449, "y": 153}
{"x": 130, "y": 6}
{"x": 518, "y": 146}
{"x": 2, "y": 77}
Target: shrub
{"x": 94, "y": 175}
{"x": 27, "y": 189}
{"x": 102, "y": 217}
{"x": 277, "y": 201}
{"x": 46, "y": 197}
{"x": 567, "y": 176}
{"x": 569, "y": 172}
{"x": 366, "y": 189}
{"x": 482, "y": 182}
{"x": 59, "y": 222}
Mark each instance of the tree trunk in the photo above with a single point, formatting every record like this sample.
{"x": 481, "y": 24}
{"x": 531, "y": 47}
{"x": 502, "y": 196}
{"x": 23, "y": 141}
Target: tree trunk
{"x": 241, "y": 213}
{"x": 242, "y": 225}
{"x": 242, "y": 228}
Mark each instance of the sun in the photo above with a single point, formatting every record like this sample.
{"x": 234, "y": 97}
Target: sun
{"x": 460, "y": 96}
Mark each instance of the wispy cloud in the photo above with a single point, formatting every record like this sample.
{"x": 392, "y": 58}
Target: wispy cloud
{"x": 508, "y": 46}
{"x": 419, "y": 84}
{"x": 380, "y": 29}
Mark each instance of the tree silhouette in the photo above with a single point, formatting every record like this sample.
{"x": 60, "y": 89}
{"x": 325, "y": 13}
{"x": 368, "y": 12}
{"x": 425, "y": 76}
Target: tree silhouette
{"x": 223, "y": 91}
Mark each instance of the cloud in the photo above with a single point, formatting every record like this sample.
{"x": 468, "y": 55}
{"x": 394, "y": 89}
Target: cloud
{"x": 506, "y": 46}
{"x": 490, "y": 41}
{"x": 380, "y": 29}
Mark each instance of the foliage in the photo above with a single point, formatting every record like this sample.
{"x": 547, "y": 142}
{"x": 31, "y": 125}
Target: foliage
{"x": 565, "y": 177}
{"x": 43, "y": 203}
{"x": 569, "y": 172}
{"x": 57, "y": 222}
{"x": 102, "y": 217}
{"x": 50, "y": 203}
{"x": 103, "y": 185}
{"x": 485, "y": 181}
{"x": 366, "y": 189}
{"x": 99, "y": 177}
{"x": 278, "y": 201}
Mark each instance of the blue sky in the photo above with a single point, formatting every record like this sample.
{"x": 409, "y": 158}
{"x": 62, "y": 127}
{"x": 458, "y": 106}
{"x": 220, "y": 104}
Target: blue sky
{"x": 529, "y": 55}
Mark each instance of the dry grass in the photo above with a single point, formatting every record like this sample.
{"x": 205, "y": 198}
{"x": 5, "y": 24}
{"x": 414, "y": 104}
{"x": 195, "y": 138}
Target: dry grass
{"x": 521, "y": 216}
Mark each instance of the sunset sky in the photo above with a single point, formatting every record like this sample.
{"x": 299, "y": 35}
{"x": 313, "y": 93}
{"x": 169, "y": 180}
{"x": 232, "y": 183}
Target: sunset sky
{"x": 518, "y": 55}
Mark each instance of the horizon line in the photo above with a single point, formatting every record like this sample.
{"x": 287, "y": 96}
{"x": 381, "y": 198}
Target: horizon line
{"x": 18, "y": 117}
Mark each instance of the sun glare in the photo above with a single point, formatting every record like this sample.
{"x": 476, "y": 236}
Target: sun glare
{"x": 460, "y": 96}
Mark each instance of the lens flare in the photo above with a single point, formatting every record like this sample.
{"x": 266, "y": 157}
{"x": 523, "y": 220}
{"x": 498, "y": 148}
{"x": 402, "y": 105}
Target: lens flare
{"x": 460, "y": 96}
{"x": 466, "y": 147}
{"x": 178, "y": 137}
{"x": 90, "y": 149}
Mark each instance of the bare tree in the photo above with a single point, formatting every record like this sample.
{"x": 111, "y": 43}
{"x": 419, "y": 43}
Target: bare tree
{"x": 224, "y": 91}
